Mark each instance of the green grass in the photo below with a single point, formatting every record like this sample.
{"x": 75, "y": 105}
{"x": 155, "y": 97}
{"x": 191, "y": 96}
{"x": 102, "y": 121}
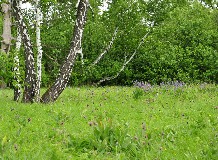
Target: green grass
{"x": 113, "y": 123}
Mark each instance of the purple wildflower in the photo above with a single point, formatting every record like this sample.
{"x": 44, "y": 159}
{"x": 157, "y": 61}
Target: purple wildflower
{"x": 143, "y": 85}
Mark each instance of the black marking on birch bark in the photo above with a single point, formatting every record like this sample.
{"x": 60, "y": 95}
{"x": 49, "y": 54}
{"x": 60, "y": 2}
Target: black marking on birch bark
{"x": 39, "y": 50}
{"x": 17, "y": 86}
{"x": 30, "y": 77}
{"x": 65, "y": 71}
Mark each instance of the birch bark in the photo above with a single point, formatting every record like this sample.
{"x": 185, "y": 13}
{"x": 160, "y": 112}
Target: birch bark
{"x": 107, "y": 49}
{"x": 30, "y": 79}
{"x": 39, "y": 50}
{"x": 65, "y": 71}
{"x": 17, "y": 85}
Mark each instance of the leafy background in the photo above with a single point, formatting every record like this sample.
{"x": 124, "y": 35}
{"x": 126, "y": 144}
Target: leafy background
{"x": 182, "y": 43}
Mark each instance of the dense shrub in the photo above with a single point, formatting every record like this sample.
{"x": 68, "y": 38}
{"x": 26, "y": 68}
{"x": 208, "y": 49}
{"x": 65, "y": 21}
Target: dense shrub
{"x": 183, "y": 47}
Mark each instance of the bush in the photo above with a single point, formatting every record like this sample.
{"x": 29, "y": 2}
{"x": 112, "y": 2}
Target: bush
{"x": 183, "y": 48}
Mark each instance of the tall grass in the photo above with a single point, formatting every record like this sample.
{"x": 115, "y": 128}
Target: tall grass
{"x": 113, "y": 123}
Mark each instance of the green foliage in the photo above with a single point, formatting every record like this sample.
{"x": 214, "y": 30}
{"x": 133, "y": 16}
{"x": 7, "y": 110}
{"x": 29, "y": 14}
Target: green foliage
{"x": 138, "y": 93}
{"x": 6, "y": 71}
{"x": 182, "y": 43}
{"x": 157, "y": 11}
{"x": 111, "y": 137}
{"x": 108, "y": 138}
{"x": 183, "y": 48}
{"x": 7, "y": 68}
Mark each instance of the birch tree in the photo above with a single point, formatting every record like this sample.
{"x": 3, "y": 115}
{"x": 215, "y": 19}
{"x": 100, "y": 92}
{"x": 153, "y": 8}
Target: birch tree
{"x": 39, "y": 51}
{"x": 107, "y": 48}
{"x": 30, "y": 77}
{"x": 126, "y": 61}
{"x": 17, "y": 85}
{"x": 65, "y": 71}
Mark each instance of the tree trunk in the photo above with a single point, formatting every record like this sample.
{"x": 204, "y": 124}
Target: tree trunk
{"x": 65, "y": 71}
{"x": 125, "y": 62}
{"x": 107, "y": 49}
{"x": 17, "y": 85}
{"x": 39, "y": 50}
{"x": 30, "y": 77}
{"x": 6, "y": 42}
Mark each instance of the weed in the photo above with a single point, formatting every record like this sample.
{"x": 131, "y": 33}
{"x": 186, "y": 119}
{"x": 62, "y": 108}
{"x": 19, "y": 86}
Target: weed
{"x": 112, "y": 137}
{"x": 138, "y": 93}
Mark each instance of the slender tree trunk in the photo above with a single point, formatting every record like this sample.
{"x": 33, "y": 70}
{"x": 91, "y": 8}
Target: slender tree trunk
{"x": 17, "y": 85}
{"x": 125, "y": 62}
{"x": 61, "y": 81}
{"x": 39, "y": 50}
{"x": 107, "y": 48}
{"x": 30, "y": 77}
{"x": 6, "y": 42}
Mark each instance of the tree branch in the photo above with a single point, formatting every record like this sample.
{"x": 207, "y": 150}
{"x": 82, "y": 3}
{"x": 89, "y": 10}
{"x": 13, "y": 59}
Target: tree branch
{"x": 125, "y": 62}
{"x": 107, "y": 48}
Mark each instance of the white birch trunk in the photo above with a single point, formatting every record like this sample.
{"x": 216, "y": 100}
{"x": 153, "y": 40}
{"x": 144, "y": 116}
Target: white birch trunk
{"x": 17, "y": 85}
{"x": 39, "y": 50}
{"x": 30, "y": 79}
{"x": 107, "y": 48}
{"x": 65, "y": 71}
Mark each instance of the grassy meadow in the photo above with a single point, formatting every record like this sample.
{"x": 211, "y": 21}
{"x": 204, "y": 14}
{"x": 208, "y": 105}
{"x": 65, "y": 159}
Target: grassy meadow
{"x": 113, "y": 123}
